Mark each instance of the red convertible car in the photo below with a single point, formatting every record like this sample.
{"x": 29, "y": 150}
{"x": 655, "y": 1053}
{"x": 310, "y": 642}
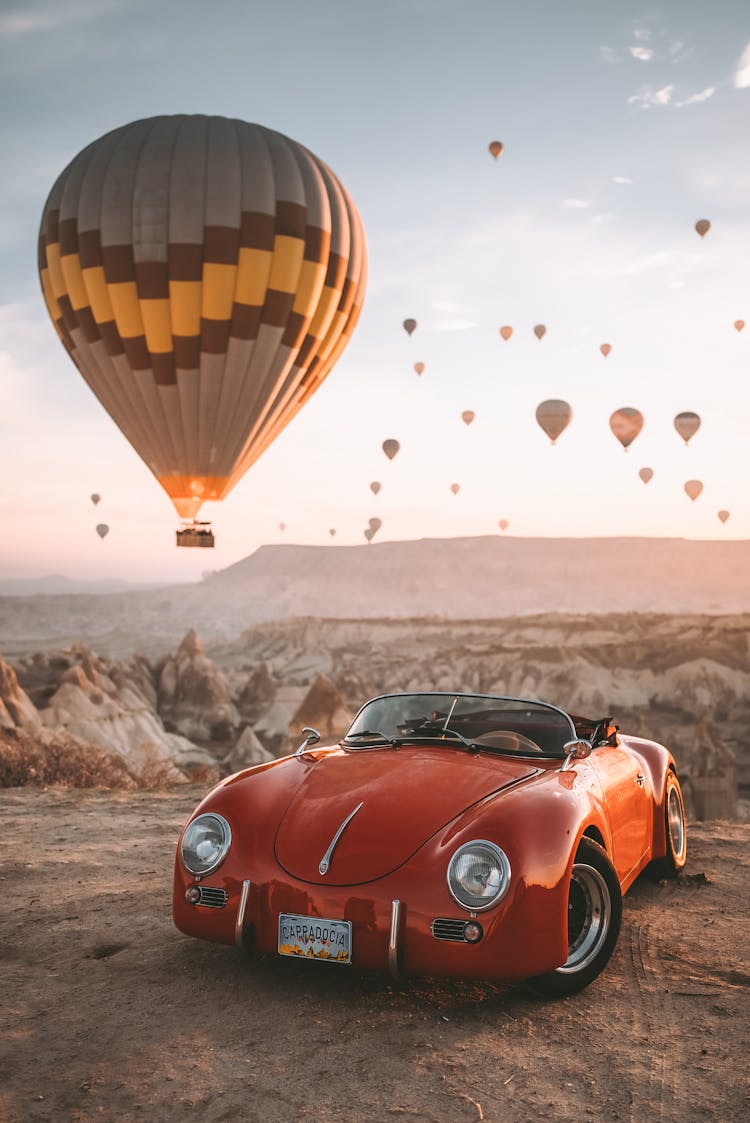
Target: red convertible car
{"x": 459, "y": 835}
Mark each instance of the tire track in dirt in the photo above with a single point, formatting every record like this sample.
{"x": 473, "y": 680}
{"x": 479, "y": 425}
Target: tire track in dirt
{"x": 646, "y": 977}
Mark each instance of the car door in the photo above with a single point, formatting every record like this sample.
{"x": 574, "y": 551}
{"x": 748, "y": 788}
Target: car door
{"x": 629, "y": 804}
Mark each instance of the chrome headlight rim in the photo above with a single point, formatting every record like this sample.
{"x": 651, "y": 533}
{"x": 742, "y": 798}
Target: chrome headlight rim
{"x": 503, "y": 863}
{"x": 226, "y": 831}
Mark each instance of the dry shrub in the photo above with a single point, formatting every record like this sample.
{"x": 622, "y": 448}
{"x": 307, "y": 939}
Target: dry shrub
{"x": 26, "y": 761}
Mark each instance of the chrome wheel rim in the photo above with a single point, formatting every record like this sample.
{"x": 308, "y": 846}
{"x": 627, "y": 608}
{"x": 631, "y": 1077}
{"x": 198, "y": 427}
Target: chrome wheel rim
{"x": 589, "y": 912}
{"x": 675, "y": 822}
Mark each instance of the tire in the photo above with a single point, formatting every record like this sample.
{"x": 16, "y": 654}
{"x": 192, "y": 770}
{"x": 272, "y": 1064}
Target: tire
{"x": 594, "y": 918}
{"x": 675, "y": 829}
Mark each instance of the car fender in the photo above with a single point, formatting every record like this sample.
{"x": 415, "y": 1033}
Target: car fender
{"x": 657, "y": 761}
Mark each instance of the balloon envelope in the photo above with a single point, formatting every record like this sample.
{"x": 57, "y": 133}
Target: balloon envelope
{"x": 693, "y": 488}
{"x": 646, "y": 474}
{"x": 503, "y": 524}
{"x": 332, "y": 532}
{"x": 553, "y": 416}
{"x": 95, "y": 498}
{"x": 703, "y": 226}
{"x": 723, "y": 516}
{"x": 495, "y": 147}
{"x": 204, "y": 275}
{"x": 506, "y": 332}
{"x": 468, "y": 416}
{"x": 369, "y": 534}
{"x": 687, "y": 424}
{"x": 626, "y": 424}
{"x": 739, "y": 325}
{"x": 540, "y": 331}
{"x": 102, "y": 530}
{"x": 375, "y": 487}
{"x": 409, "y": 326}
{"x": 282, "y": 527}
{"x": 419, "y": 367}
{"x": 375, "y": 525}
{"x": 605, "y": 349}
{"x": 390, "y": 448}
{"x": 455, "y": 488}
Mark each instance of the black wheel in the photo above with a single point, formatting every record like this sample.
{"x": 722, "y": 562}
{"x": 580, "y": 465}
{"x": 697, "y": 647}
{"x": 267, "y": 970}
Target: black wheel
{"x": 675, "y": 829}
{"x": 594, "y": 917}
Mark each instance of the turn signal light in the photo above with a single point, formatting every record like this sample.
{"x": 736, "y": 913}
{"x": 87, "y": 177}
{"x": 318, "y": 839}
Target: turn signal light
{"x": 193, "y": 895}
{"x": 473, "y": 932}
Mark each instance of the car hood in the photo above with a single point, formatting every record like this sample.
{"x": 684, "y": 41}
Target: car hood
{"x": 406, "y": 796}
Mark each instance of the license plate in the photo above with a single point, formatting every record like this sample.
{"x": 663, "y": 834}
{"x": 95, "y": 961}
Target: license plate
{"x": 314, "y": 938}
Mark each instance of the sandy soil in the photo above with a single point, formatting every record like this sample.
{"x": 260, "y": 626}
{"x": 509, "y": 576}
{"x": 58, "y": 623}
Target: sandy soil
{"x": 109, "y": 1013}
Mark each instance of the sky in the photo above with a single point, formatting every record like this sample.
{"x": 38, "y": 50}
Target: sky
{"x": 622, "y": 125}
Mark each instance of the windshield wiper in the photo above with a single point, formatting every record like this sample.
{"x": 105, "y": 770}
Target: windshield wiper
{"x": 373, "y": 735}
{"x": 438, "y": 730}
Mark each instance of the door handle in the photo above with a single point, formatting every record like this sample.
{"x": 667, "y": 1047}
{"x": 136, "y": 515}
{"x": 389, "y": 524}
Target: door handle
{"x": 640, "y": 779}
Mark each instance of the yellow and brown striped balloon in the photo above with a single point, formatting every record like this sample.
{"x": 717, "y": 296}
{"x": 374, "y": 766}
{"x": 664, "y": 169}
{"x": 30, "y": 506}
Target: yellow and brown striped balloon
{"x": 204, "y": 274}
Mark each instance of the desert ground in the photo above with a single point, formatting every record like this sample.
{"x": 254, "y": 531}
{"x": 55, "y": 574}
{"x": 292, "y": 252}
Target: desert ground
{"x": 109, "y": 1013}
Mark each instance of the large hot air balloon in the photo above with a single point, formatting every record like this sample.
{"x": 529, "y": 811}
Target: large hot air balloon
{"x": 95, "y": 498}
{"x": 496, "y": 148}
{"x": 723, "y": 516}
{"x": 390, "y": 448}
{"x": 687, "y": 424}
{"x": 605, "y": 348}
{"x": 375, "y": 487}
{"x": 409, "y": 326}
{"x": 506, "y": 332}
{"x": 540, "y": 331}
{"x": 419, "y": 367}
{"x": 703, "y": 226}
{"x": 455, "y": 488}
{"x": 693, "y": 488}
{"x": 646, "y": 474}
{"x": 739, "y": 325}
{"x": 553, "y": 416}
{"x": 626, "y": 424}
{"x": 503, "y": 524}
{"x": 468, "y": 416}
{"x": 102, "y": 530}
{"x": 204, "y": 274}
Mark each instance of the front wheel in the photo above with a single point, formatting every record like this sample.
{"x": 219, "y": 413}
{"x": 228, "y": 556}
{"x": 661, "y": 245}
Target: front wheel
{"x": 676, "y": 830}
{"x": 594, "y": 918}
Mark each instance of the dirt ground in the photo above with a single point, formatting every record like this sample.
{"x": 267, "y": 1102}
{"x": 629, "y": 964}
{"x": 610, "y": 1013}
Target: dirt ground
{"x": 109, "y": 1013}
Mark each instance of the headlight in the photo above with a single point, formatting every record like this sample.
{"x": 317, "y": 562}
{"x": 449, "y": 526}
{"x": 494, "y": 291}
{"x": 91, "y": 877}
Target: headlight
{"x": 478, "y": 875}
{"x": 205, "y": 844}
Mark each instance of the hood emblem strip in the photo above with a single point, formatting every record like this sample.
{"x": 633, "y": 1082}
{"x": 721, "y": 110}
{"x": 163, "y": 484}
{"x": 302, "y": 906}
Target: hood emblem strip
{"x": 325, "y": 861}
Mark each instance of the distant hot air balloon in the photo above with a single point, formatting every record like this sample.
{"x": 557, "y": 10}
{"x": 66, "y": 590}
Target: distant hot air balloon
{"x": 282, "y": 527}
{"x": 723, "y": 516}
{"x": 332, "y": 532}
{"x": 540, "y": 331}
{"x": 455, "y": 488}
{"x": 626, "y": 424}
{"x": 503, "y": 524}
{"x": 375, "y": 487}
{"x": 204, "y": 275}
{"x": 102, "y": 530}
{"x": 468, "y": 416}
{"x": 95, "y": 498}
{"x": 739, "y": 325}
{"x": 553, "y": 416}
{"x": 419, "y": 367}
{"x": 646, "y": 474}
{"x": 703, "y": 226}
{"x": 693, "y": 488}
{"x": 605, "y": 349}
{"x": 687, "y": 424}
{"x": 390, "y": 448}
{"x": 409, "y": 326}
{"x": 369, "y": 534}
{"x": 506, "y": 332}
{"x": 496, "y": 148}
{"x": 375, "y": 525}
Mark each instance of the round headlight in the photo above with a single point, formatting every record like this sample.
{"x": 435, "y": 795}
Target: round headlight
{"x": 478, "y": 875}
{"x": 205, "y": 844}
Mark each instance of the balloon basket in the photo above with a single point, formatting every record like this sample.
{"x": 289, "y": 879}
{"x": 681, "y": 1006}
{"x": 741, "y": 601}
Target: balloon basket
{"x": 195, "y": 534}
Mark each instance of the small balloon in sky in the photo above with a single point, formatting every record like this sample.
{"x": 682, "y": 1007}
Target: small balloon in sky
{"x": 468, "y": 416}
{"x": 626, "y": 424}
{"x": 102, "y": 530}
{"x": 506, "y": 332}
{"x": 409, "y": 326}
{"x": 390, "y": 448}
{"x": 332, "y": 532}
{"x": 369, "y": 534}
{"x": 375, "y": 525}
{"x": 553, "y": 416}
{"x": 496, "y": 148}
{"x": 282, "y": 527}
{"x": 455, "y": 488}
{"x": 693, "y": 488}
{"x": 687, "y": 424}
{"x": 605, "y": 349}
{"x": 646, "y": 474}
{"x": 723, "y": 516}
{"x": 95, "y": 498}
{"x": 375, "y": 487}
{"x": 540, "y": 330}
{"x": 419, "y": 367}
{"x": 703, "y": 226}
{"x": 503, "y": 524}
{"x": 739, "y": 325}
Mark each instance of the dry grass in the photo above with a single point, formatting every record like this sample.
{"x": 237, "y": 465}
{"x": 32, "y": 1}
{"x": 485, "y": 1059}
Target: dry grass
{"x": 25, "y": 761}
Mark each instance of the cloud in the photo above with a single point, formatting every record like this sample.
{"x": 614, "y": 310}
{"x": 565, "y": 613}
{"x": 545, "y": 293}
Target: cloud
{"x": 648, "y": 97}
{"x": 742, "y": 73}
{"x": 641, "y": 33}
{"x": 643, "y": 54}
{"x": 621, "y": 179}
{"x": 602, "y": 219}
{"x": 575, "y": 204}
{"x": 696, "y": 99}
{"x": 609, "y": 55}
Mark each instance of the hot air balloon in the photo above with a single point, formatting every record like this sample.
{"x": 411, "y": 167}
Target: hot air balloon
{"x": 95, "y": 498}
{"x": 282, "y": 527}
{"x": 693, "y": 488}
{"x": 409, "y": 326}
{"x": 703, "y": 226}
{"x": 204, "y": 274}
{"x": 419, "y": 367}
{"x": 369, "y": 534}
{"x": 455, "y": 488}
{"x": 646, "y": 474}
{"x": 506, "y": 332}
{"x": 503, "y": 524}
{"x": 739, "y": 325}
{"x": 375, "y": 487}
{"x": 723, "y": 516}
{"x": 390, "y": 448}
{"x": 332, "y": 532}
{"x": 605, "y": 349}
{"x": 468, "y": 416}
{"x": 687, "y": 424}
{"x": 102, "y": 530}
{"x": 540, "y": 331}
{"x": 496, "y": 148}
{"x": 626, "y": 424}
{"x": 553, "y": 416}
{"x": 375, "y": 525}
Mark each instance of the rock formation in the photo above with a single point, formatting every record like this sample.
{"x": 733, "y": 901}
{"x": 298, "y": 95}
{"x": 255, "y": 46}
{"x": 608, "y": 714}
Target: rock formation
{"x": 247, "y": 752}
{"x": 17, "y": 711}
{"x": 193, "y": 695}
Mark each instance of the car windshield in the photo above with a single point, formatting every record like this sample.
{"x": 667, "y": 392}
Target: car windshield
{"x": 510, "y": 725}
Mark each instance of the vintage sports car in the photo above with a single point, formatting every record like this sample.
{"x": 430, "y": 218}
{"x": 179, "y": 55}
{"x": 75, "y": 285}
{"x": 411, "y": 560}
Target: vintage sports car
{"x": 459, "y": 835}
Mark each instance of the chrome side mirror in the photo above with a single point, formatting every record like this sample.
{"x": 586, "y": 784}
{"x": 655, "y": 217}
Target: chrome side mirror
{"x": 311, "y": 738}
{"x": 575, "y": 750}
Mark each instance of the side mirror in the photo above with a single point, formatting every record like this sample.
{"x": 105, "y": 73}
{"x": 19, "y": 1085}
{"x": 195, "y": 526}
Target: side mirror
{"x": 311, "y": 738}
{"x": 575, "y": 750}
